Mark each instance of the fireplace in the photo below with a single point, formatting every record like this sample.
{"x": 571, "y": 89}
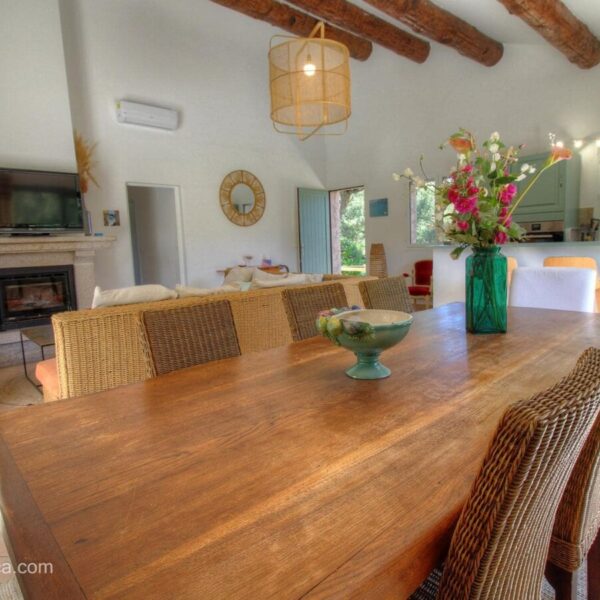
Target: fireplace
{"x": 30, "y": 295}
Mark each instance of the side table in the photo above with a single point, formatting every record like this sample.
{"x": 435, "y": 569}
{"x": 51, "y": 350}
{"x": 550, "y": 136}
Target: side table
{"x": 43, "y": 337}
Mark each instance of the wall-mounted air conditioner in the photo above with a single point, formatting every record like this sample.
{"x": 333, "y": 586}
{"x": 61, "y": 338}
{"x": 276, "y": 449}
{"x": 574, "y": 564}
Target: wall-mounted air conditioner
{"x": 146, "y": 115}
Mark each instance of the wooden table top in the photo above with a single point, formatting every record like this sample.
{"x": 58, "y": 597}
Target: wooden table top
{"x": 272, "y": 475}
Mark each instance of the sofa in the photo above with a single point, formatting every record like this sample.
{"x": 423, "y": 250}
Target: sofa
{"x": 101, "y": 348}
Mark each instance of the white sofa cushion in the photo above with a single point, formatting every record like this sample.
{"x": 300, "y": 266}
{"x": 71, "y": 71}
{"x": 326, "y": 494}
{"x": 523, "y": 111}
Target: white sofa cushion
{"x": 131, "y": 295}
{"x": 291, "y": 279}
{"x": 185, "y": 291}
{"x": 237, "y": 274}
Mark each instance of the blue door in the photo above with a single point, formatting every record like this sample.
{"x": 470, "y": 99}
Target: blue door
{"x": 315, "y": 231}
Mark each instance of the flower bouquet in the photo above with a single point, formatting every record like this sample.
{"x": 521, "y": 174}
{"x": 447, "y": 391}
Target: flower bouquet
{"x": 474, "y": 207}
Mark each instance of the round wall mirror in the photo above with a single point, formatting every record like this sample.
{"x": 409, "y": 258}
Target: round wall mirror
{"x": 242, "y": 198}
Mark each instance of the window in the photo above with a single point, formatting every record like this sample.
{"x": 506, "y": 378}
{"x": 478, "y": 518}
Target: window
{"x": 423, "y": 231}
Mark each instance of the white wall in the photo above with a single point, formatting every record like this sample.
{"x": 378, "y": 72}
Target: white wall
{"x": 35, "y": 123}
{"x": 402, "y": 110}
{"x": 211, "y": 64}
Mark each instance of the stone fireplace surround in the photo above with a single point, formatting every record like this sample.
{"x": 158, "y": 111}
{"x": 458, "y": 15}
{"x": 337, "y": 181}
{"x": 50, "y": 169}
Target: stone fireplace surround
{"x": 46, "y": 251}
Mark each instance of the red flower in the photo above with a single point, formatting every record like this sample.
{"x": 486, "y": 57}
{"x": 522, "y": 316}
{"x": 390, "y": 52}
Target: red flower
{"x": 462, "y": 225}
{"x": 500, "y": 237}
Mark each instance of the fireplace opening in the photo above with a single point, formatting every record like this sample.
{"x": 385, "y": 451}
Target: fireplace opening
{"x": 30, "y": 295}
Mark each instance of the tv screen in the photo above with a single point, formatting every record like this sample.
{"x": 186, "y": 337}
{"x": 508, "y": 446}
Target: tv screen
{"x": 39, "y": 201}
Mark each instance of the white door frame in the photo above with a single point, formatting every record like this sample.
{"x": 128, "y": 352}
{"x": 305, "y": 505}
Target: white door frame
{"x": 178, "y": 219}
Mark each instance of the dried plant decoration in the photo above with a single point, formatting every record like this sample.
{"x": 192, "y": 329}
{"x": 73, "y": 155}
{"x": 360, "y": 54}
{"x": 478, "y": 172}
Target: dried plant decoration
{"x": 84, "y": 152}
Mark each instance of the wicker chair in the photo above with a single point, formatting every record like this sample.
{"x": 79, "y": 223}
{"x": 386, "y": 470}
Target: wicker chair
{"x": 575, "y": 536}
{"x": 176, "y": 338}
{"x": 389, "y": 293}
{"x": 501, "y": 540}
{"x": 303, "y": 304}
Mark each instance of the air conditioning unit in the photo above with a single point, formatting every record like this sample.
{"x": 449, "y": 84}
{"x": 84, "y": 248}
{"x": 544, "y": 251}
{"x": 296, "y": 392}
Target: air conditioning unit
{"x": 146, "y": 115}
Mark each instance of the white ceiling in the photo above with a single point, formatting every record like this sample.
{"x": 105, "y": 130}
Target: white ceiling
{"x": 493, "y": 19}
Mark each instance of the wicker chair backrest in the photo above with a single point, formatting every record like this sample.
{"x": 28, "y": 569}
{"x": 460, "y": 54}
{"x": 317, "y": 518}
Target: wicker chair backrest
{"x": 501, "y": 541}
{"x": 189, "y": 335}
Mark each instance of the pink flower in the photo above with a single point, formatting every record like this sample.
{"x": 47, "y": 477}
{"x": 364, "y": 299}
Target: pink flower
{"x": 468, "y": 168}
{"x": 466, "y": 205}
{"x": 462, "y": 225}
{"x": 500, "y": 237}
{"x": 453, "y": 194}
{"x": 507, "y": 193}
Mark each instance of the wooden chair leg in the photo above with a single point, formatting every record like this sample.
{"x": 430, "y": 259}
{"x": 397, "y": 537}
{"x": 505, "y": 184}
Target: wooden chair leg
{"x": 593, "y": 565}
{"x": 563, "y": 582}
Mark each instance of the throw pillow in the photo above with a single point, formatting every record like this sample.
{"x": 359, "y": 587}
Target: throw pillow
{"x": 239, "y": 274}
{"x": 131, "y": 295}
{"x": 294, "y": 279}
{"x": 185, "y": 291}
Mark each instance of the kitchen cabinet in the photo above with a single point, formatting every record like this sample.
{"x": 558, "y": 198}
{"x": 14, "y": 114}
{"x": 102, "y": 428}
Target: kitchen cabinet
{"x": 554, "y": 196}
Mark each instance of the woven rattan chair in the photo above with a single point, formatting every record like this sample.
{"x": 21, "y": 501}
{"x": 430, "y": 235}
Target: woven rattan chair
{"x": 303, "y": 304}
{"x": 575, "y": 535}
{"x": 389, "y": 293}
{"x": 176, "y": 338}
{"x": 500, "y": 544}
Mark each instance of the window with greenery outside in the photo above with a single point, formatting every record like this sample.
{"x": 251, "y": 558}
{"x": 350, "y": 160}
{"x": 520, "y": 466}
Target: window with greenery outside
{"x": 425, "y": 216}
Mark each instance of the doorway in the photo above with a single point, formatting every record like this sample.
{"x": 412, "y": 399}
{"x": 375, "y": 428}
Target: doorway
{"x": 348, "y": 231}
{"x": 155, "y": 219}
{"x": 332, "y": 231}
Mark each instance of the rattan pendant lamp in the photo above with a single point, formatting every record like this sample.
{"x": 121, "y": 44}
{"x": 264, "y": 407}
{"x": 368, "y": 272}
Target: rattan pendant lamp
{"x": 310, "y": 84}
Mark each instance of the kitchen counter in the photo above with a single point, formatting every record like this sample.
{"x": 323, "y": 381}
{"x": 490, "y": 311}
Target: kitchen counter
{"x": 449, "y": 274}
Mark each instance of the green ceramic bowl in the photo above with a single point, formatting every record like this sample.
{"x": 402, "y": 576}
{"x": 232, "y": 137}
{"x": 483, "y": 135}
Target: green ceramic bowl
{"x": 387, "y": 328}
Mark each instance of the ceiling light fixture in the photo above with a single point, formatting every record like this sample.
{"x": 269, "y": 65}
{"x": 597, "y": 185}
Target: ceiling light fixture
{"x": 309, "y": 80}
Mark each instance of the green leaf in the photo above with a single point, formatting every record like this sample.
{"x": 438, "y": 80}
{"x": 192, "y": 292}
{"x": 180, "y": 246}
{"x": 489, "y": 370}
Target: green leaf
{"x": 506, "y": 179}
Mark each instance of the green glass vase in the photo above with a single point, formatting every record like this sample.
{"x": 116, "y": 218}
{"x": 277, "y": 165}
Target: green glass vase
{"x": 486, "y": 290}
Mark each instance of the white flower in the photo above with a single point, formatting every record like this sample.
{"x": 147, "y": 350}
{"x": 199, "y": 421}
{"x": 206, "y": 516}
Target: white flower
{"x": 496, "y": 156}
{"x": 492, "y": 167}
{"x": 521, "y": 177}
{"x": 408, "y": 173}
{"x": 532, "y": 169}
{"x": 396, "y": 176}
{"x": 525, "y": 168}
{"x": 494, "y": 137}
{"x": 494, "y": 148}
{"x": 419, "y": 182}
{"x": 461, "y": 158}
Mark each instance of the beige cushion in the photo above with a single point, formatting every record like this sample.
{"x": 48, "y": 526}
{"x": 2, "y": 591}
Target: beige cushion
{"x": 185, "y": 291}
{"x": 237, "y": 274}
{"x": 294, "y": 279}
{"x": 131, "y": 295}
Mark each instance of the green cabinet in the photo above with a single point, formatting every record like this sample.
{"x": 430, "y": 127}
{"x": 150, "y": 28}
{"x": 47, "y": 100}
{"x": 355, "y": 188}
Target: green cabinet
{"x": 554, "y": 196}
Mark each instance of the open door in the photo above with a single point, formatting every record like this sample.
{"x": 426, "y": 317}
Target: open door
{"x": 315, "y": 231}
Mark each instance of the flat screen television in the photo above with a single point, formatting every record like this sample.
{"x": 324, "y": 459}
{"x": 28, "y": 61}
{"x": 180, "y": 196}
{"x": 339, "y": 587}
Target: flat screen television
{"x": 39, "y": 202}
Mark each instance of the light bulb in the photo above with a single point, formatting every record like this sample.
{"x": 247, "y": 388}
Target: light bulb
{"x": 309, "y": 67}
{"x": 578, "y": 143}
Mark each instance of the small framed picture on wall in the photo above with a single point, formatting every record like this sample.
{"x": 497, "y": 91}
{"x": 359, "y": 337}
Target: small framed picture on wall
{"x": 112, "y": 218}
{"x": 378, "y": 208}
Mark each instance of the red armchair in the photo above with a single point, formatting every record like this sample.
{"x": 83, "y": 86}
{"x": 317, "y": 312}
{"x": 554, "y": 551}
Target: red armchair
{"x": 421, "y": 288}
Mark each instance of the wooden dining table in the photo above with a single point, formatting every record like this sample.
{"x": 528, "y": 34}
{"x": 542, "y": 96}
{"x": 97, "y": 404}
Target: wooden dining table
{"x": 272, "y": 475}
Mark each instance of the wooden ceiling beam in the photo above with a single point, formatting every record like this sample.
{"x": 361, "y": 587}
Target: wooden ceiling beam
{"x": 430, "y": 20}
{"x": 559, "y": 26}
{"x": 364, "y": 24}
{"x": 298, "y": 23}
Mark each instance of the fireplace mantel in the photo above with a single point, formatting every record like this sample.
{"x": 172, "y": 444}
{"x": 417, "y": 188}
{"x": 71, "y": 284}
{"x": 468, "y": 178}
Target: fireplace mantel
{"x": 58, "y": 243}
{"x": 46, "y": 251}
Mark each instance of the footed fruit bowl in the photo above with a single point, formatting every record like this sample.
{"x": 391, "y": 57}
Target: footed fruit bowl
{"x": 367, "y": 333}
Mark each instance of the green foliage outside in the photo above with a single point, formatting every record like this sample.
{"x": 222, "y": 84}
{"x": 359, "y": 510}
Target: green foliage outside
{"x": 425, "y": 231}
{"x": 353, "y": 229}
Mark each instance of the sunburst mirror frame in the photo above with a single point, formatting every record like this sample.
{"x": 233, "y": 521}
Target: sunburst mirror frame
{"x": 229, "y": 182}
